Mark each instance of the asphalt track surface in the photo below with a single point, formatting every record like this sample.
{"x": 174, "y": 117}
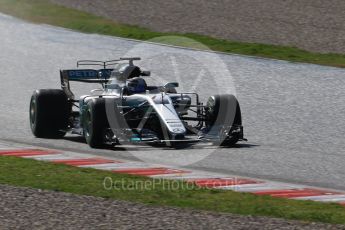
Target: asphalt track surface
{"x": 293, "y": 113}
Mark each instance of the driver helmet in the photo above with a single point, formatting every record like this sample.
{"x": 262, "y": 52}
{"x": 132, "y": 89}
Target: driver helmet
{"x": 136, "y": 85}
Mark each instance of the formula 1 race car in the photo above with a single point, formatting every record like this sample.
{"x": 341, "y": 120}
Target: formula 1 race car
{"x": 127, "y": 110}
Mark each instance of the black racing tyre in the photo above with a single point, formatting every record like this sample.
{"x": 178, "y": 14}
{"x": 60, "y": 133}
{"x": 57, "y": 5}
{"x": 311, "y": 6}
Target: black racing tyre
{"x": 49, "y": 113}
{"x": 223, "y": 111}
{"x": 95, "y": 122}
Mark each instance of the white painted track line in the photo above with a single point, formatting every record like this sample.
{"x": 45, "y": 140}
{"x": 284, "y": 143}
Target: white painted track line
{"x": 51, "y": 157}
{"x": 324, "y": 198}
{"x": 126, "y": 165}
{"x": 261, "y": 187}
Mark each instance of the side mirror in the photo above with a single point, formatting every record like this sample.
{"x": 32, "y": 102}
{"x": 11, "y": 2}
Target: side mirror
{"x": 145, "y": 73}
{"x": 170, "y": 85}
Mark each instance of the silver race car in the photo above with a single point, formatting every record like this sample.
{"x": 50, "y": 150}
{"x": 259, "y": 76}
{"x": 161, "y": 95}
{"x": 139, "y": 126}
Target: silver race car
{"x": 127, "y": 110}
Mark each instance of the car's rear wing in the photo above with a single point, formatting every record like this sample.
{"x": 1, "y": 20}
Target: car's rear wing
{"x": 86, "y": 75}
{"x": 92, "y": 75}
{"x": 82, "y": 75}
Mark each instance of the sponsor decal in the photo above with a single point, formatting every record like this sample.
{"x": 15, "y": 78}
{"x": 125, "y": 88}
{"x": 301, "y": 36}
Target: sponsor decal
{"x": 82, "y": 74}
{"x": 177, "y": 130}
{"x": 175, "y": 125}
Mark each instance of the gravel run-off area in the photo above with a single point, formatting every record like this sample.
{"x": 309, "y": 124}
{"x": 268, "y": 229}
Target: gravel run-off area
{"x": 25, "y": 208}
{"x": 314, "y": 25}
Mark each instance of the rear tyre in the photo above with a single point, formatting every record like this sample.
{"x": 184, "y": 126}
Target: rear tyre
{"x": 49, "y": 113}
{"x": 223, "y": 113}
{"x": 95, "y": 122}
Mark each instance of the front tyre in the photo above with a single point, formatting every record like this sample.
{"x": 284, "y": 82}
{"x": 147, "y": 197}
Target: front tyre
{"x": 49, "y": 113}
{"x": 223, "y": 119}
{"x": 95, "y": 122}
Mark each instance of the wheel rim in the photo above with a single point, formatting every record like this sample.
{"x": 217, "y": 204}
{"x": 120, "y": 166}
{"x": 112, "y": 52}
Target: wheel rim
{"x": 211, "y": 104}
{"x": 33, "y": 112}
{"x": 88, "y": 124}
{"x": 210, "y": 109}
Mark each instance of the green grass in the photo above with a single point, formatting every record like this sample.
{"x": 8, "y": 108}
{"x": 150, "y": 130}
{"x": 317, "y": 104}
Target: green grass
{"x": 43, "y": 175}
{"x": 42, "y": 11}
